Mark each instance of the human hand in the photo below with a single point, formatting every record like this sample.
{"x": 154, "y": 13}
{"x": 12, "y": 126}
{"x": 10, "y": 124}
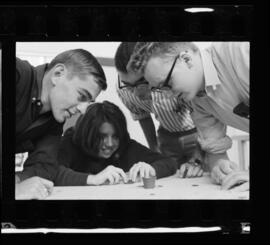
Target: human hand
{"x": 222, "y": 169}
{"x": 238, "y": 180}
{"x": 190, "y": 170}
{"x": 110, "y": 174}
{"x": 33, "y": 188}
{"x": 144, "y": 170}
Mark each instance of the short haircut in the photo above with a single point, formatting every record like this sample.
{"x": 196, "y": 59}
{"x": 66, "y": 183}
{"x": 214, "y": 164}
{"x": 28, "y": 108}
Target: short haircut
{"x": 87, "y": 129}
{"x": 81, "y": 63}
{"x": 122, "y": 55}
{"x": 143, "y": 51}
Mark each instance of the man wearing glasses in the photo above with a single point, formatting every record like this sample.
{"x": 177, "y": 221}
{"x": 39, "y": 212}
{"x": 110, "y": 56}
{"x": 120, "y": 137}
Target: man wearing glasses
{"x": 176, "y": 136}
{"x": 216, "y": 81}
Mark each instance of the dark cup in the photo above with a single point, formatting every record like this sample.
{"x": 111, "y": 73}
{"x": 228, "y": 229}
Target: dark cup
{"x": 149, "y": 183}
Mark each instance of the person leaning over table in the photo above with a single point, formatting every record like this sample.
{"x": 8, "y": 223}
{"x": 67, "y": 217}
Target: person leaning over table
{"x": 176, "y": 136}
{"x": 216, "y": 81}
{"x": 46, "y": 96}
{"x": 99, "y": 146}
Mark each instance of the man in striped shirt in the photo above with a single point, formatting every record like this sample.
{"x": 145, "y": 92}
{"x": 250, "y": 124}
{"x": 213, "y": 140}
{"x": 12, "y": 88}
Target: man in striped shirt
{"x": 176, "y": 136}
{"x": 216, "y": 81}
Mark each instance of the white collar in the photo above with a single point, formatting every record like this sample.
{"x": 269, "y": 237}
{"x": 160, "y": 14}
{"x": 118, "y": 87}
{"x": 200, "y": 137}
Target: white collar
{"x": 210, "y": 74}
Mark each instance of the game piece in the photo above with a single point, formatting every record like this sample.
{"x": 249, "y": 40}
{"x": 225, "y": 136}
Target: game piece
{"x": 149, "y": 183}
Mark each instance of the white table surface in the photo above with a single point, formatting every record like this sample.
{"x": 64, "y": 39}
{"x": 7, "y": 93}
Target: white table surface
{"x": 170, "y": 188}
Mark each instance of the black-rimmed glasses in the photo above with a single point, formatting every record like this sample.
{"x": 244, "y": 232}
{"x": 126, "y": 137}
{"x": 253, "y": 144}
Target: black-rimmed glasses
{"x": 139, "y": 82}
{"x": 165, "y": 86}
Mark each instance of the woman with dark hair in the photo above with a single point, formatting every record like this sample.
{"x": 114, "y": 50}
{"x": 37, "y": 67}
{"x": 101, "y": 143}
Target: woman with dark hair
{"x": 99, "y": 146}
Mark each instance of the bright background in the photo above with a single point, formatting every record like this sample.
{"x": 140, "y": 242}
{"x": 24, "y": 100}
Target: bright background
{"x": 38, "y": 53}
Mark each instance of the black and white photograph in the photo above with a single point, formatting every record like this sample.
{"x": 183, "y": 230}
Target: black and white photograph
{"x": 132, "y": 120}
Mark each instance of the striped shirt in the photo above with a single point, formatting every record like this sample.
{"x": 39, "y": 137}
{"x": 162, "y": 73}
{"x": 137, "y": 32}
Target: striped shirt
{"x": 172, "y": 113}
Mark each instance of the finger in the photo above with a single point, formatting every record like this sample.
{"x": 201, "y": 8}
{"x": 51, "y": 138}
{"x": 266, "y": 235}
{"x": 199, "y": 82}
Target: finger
{"x": 142, "y": 168}
{"x": 122, "y": 174}
{"x": 195, "y": 171}
{"x": 227, "y": 180}
{"x": 226, "y": 168}
{"x": 147, "y": 172}
{"x": 234, "y": 166}
{"x": 134, "y": 173}
{"x": 242, "y": 187}
{"x": 152, "y": 171}
{"x": 216, "y": 175}
{"x": 220, "y": 175}
{"x": 37, "y": 194}
{"x": 110, "y": 178}
{"x": 189, "y": 172}
{"x": 47, "y": 183}
{"x": 131, "y": 172}
{"x": 200, "y": 173}
{"x": 42, "y": 192}
{"x": 116, "y": 177}
{"x": 233, "y": 179}
{"x": 182, "y": 170}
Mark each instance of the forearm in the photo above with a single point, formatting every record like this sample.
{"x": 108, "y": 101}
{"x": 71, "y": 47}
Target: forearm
{"x": 46, "y": 170}
{"x": 149, "y": 131}
{"x": 17, "y": 179}
{"x": 164, "y": 167}
{"x": 69, "y": 177}
{"x": 42, "y": 160}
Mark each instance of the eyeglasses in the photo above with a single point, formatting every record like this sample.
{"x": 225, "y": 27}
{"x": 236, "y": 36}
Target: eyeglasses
{"x": 139, "y": 82}
{"x": 165, "y": 86}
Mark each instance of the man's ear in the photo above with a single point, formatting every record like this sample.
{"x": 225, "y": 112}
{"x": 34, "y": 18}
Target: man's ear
{"x": 186, "y": 57}
{"x": 58, "y": 71}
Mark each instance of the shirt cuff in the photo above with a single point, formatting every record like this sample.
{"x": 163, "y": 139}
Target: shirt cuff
{"x": 215, "y": 146}
{"x": 22, "y": 176}
{"x": 17, "y": 179}
{"x": 136, "y": 117}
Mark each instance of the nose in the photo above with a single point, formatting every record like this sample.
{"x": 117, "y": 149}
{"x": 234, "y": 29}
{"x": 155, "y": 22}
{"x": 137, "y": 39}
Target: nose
{"x": 108, "y": 141}
{"x": 83, "y": 106}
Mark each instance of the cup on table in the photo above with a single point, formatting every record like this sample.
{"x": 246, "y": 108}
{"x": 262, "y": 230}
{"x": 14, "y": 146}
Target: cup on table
{"x": 149, "y": 183}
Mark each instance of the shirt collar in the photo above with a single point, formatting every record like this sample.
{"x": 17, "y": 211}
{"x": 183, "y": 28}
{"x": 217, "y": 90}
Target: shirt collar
{"x": 40, "y": 74}
{"x": 210, "y": 73}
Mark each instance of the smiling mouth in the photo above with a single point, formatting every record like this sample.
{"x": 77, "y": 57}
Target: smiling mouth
{"x": 107, "y": 151}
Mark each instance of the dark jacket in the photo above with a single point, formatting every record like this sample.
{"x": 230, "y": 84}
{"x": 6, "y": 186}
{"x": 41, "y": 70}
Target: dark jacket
{"x": 72, "y": 157}
{"x": 39, "y": 135}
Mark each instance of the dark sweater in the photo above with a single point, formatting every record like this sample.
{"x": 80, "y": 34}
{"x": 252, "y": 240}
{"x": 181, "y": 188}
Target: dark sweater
{"x": 39, "y": 135}
{"x": 72, "y": 157}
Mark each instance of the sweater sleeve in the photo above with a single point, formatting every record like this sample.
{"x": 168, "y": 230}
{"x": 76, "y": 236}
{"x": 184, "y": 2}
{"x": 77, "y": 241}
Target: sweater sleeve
{"x": 67, "y": 176}
{"x": 42, "y": 161}
{"x": 164, "y": 166}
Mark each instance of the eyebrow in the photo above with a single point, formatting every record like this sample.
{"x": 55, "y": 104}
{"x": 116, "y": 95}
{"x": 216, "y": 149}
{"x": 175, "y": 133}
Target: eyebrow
{"x": 87, "y": 94}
